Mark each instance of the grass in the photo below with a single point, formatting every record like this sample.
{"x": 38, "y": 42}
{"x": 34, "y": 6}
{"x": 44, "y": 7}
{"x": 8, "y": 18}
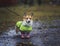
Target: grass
{"x": 42, "y": 12}
{"x": 46, "y": 12}
{"x": 14, "y": 13}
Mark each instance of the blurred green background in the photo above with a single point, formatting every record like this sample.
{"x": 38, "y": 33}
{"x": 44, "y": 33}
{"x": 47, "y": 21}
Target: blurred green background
{"x": 13, "y": 10}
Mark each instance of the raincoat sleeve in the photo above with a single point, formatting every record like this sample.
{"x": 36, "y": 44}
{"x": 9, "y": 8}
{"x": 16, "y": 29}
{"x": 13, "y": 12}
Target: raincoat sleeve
{"x": 18, "y": 24}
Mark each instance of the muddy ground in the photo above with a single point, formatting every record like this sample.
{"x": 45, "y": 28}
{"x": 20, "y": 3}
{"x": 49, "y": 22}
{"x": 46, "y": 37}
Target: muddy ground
{"x": 43, "y": 34}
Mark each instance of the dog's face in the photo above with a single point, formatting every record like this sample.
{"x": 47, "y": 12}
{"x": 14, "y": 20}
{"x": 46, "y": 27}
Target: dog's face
{"x": 28, "y": 18}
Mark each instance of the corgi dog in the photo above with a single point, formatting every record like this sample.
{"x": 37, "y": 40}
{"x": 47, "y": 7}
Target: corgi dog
{"x": 25, "y": 26}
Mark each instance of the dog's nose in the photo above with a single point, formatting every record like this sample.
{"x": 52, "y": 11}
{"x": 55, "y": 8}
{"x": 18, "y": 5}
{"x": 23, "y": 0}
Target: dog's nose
{"x": 28, "y": 21}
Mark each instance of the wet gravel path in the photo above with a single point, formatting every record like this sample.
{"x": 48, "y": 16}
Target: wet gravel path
{"x": 43, "y": 34}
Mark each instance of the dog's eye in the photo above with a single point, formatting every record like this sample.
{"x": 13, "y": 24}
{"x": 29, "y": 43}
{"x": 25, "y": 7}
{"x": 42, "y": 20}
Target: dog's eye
{"x": 29, "y": 18}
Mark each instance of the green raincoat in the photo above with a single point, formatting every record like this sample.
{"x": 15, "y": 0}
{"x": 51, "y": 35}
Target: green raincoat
{"x": 23, "y": 27}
